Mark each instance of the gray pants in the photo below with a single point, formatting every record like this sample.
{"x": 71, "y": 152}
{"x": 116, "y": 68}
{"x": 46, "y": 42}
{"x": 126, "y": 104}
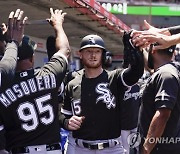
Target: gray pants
{"x": 73, "y": 148}
{"x": 124, "y": 136}
{"x": 42, "y": 152}
{"x": 41, "y": 149}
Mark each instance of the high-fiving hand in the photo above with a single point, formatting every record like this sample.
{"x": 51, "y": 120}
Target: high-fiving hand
{"x": 16, "y": 26}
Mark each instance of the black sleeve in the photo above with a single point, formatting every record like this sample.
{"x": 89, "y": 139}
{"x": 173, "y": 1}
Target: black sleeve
{"x": 166, "y": 96}
{"x": 8, "y": 63}
{"x": 174, "y": 29}
{"x": 57, "y": 66}
{"x": 134, "y": 59}
{"x": 2, "y": 140}
{"x": 66, "y": 110}
{"x": 63, "y": 121}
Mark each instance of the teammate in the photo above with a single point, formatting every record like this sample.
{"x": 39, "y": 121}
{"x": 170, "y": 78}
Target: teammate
{"x": 129, "y": 114}
{"x": 93, "y": 98}
{"x": 29, "y": 106}
{"x": 160, "y": 110}
{"x": 9, "y": 59}
{"x": 51, "y": 50}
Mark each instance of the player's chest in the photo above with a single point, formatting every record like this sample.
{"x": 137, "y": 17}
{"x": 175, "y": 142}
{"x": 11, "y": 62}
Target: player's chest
{"x": 94, "y": 94}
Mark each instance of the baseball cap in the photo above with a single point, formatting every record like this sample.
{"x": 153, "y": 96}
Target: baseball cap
{"x": 26, "y": 48}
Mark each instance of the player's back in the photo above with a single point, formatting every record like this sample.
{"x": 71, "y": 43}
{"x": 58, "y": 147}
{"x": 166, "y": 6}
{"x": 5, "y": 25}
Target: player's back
{"x": 29, "y": 110}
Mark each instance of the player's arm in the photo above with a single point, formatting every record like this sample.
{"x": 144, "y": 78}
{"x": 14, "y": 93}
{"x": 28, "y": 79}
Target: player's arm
{"x": 135, "y": 59}
{"x": 56, "y": 20}
{"x": 67, "y": 119}
{"x": 14, "y": 36}
{"x": 156, "y": 129}
{"x": 164, "y": 36}
{"x": 58, "y": 62}
{"x": 164, "y": 41}
{"x": 165, "y": 99}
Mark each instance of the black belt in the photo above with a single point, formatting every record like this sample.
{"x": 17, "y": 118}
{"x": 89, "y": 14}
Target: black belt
{"x": 49, "y": 147}
{"x": 94, "y": 146}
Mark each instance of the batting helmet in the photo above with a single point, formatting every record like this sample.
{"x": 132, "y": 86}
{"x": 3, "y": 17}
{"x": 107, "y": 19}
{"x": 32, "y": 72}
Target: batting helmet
{"x": 92, "y": 41}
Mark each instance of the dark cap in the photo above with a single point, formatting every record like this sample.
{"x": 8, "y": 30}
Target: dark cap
{"x": 170, "y": 49}
{"x": 26, "y": 48}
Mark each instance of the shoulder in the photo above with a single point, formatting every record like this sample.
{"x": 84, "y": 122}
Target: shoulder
{"x": 74, "y": 74}
{"x": 167, "y": 69}
{"x": 166, "y": 72}
{"x": 59, "y": 56}
{"x": 75, "y": 77}
{"x": 115, "y": 72}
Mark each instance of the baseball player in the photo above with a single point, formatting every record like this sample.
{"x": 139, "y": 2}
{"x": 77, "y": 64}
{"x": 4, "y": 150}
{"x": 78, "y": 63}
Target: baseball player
{"x": 29, "y": 106}
{"x": 9, "y": 57}
{"x": 93, "y": 99}
{"x": 129, "y": 114}
{"x": 160, "y": 111}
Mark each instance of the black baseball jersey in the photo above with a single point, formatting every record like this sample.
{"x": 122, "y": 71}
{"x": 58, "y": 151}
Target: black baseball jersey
{"x": 7, "y": 69}
{"x": 29, "y": 107}
{"x": 162, "y": 91}
{"x": 98, "y": 99}
{"x": 130, "y": 108}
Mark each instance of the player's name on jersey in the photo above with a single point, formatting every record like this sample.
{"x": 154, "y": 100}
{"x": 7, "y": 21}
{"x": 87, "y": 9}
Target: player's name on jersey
{"x": 25, "y": 88}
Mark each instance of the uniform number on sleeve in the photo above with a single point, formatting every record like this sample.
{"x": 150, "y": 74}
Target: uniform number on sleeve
{"x": 76, "y": 107}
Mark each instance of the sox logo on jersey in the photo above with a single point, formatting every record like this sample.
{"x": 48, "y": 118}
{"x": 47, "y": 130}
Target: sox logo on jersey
{"x": 105, "y": 95}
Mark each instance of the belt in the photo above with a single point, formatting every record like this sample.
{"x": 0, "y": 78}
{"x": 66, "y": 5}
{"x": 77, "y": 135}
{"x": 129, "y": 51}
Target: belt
{"x": 95, "y": 146}
{"x": 49, "y": 147}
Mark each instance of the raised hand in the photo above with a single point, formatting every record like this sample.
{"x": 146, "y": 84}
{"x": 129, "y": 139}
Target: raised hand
{"x": 57, "y": 17}
{"x": 16, "y": 25}
{"x": 56, "y": 21}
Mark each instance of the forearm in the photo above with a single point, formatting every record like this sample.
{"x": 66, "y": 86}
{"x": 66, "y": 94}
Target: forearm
{"x": 132, "y": 74}
{"x": 164, "y": 31}
{"x": 62, "y": 43}
{"x": 63, "y": 121}
{"x": 156, "y": 130}
{"x": 175, "y": 39}
{"x": 10, "y": 57}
